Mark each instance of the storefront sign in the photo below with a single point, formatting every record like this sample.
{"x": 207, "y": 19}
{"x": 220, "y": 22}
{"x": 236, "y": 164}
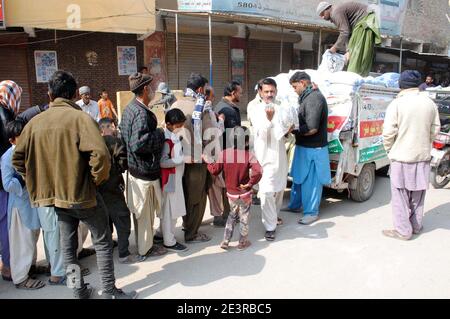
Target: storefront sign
{"x": 46, "y": 64}
{"x": 126, "y": 60}
{"x": 391, "y": 14}
{"x": 2, "y": 14}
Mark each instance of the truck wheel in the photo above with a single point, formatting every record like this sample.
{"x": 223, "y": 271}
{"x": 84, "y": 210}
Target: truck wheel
{"x": 436, "y": 180}
{"x": 365, "y": 184}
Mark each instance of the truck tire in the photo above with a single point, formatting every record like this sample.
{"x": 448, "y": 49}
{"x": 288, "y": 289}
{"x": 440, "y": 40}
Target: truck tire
{"x": 365, "y": 183}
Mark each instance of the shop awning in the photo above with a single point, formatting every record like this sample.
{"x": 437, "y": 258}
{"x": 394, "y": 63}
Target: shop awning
{"x": 117, "y": 16}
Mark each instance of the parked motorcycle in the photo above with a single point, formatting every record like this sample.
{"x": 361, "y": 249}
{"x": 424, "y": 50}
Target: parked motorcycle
{"x": 440, "y": 157}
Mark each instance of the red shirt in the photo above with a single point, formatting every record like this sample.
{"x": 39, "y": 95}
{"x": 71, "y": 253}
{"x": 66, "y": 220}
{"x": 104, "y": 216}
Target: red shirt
{"x": 236, "y": 166}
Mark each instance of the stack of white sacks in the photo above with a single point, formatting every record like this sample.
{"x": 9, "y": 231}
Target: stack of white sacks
{"x": 336, "y": 83}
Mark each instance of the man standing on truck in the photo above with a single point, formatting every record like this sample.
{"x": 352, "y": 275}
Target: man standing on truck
{"x": 411, "y": 124}
{"x": 358, "y": 33}
{"x": 311, "y": 163}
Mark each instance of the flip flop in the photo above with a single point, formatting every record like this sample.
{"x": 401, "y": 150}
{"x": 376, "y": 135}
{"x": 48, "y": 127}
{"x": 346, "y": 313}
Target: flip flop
{"x": 30, "y": 284}
{"x": 156, "y": 251}
{"x": 199, "y": 238}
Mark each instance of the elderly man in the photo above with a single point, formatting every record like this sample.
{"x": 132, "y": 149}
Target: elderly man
{"x": 358, "y": 33}
{"x": 270, "y": 152}
{"x": 87, "y": 105}
{"x": 311, "y": 163}
{"x": 411, "y": 124}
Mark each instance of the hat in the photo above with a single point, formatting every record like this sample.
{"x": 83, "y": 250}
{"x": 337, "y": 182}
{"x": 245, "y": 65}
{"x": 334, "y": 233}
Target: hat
{"x": 410, "y": 79}
{"x": 322, "y": 7}
{"x": 138, "y": 80}
{"x": 84, "y": 90}
{"x": 163, "y": 88}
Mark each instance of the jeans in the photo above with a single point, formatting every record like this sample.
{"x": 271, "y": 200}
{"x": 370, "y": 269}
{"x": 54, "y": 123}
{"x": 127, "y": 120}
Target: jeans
{"x": 96, "y": 219}
{"x": 119, "y": 216}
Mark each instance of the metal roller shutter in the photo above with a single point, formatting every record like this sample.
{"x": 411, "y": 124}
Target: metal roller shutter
{"x": 194, "y": 57}
{"x": 16, "y": 69}
{"x": 264, "y": 61}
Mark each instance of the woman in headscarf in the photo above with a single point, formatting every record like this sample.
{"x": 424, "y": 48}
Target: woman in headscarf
{"x": 10, "y": 97}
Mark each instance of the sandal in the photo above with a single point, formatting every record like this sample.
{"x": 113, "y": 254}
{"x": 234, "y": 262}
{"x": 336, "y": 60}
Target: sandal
{"x": 199, "y": 238}
{"x": 61, "y": 282}
{"x": 244, "y": 245}
{"x": 279, "y": 221}
{"x": 225, "y": 244}
{"x": 31, "y": 284}
{"x": 156, "y": 251}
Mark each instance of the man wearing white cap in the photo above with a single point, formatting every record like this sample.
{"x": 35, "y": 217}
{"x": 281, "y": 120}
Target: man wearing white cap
{"x": 87, "y": 105}
{"x": 358, "y": 32}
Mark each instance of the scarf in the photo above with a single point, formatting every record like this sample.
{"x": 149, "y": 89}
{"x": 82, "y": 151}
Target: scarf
{"x": 197, "y": 114}
{"x": 10, "y": 95}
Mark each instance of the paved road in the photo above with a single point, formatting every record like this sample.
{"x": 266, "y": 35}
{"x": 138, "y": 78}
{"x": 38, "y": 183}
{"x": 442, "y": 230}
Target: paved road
{"x": 343, "y": 255}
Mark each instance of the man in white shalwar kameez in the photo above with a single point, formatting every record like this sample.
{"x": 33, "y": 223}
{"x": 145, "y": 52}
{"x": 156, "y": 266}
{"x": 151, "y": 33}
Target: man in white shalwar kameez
{"x": 271, "y": 154}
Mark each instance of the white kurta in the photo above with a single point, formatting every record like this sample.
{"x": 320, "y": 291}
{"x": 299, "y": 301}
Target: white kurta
{"x": 270, "y": 151}
{"x": 173, "y": 202}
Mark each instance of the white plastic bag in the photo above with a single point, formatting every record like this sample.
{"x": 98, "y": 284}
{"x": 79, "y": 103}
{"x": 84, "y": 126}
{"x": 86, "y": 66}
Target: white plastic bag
{"x": 332, "y": 62}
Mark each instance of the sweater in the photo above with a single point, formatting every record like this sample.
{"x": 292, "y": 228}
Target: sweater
{"x": 62, "y": 157}
{"x": 236, "y": 166}
{"x": 410, "y": 126}
{"x": 345, "y": 16}
{"x": 143, "y": 140}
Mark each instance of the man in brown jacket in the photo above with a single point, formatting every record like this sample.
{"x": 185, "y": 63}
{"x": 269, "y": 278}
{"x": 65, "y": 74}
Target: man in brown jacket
{"x": 63, "y": 158}
{"x": 195, "y": 180}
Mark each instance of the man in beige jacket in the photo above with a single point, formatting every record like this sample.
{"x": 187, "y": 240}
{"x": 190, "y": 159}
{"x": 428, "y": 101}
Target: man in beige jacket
{"x": 195, "y": 180}
{"x": 411, "y": 124}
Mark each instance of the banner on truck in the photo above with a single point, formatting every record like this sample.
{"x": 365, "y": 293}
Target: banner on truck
{"x": 339, "y": 111}
{"x": 371, "y": 119}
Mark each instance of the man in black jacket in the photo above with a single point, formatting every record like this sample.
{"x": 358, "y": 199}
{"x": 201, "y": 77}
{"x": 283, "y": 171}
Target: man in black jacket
{"x": 311, "y": 163}
{"x": 144, "y": 143}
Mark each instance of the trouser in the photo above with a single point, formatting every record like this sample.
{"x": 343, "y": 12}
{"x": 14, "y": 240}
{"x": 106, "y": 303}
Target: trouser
{"x": 119, "y": 215}
{"x": 295, "y": 201}
{"x": 4, "y": 228}
{"x": 407, "y": 210}
{"x": 311, "y": 193}
{"x": 194, "y": 187}
{"x": 22, "y": 244}
{"x": 83, "y": 232}
{"x": 96, "y": 219}
{"x": 240, "y": 210}
{"x": 52, "y": 240}
{"x": 144, "y": 199}
{"x": 270, "y": 206}
{"x": 167, "y": 228}
{"x": 218, "y": 200}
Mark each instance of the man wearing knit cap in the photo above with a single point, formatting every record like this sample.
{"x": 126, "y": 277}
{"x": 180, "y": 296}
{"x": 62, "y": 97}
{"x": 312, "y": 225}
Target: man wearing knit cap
{"x": 358, "y": 33}
{"x": 144, "y": 143}
{"x": 411, "y": 124}
{"x": 87, "y": 105}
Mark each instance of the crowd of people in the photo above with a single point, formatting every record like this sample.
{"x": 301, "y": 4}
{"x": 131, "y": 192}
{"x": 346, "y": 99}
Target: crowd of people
{"x": 67, "y": 169}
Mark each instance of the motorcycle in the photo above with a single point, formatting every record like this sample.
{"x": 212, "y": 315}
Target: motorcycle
{"x": 440, "y": 157}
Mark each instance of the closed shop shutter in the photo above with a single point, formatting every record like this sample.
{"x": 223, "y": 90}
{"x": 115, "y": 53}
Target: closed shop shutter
{"x": 14, "y": 66}
{"x": 264, "y": 61}
{"x": 194, "y": 57}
